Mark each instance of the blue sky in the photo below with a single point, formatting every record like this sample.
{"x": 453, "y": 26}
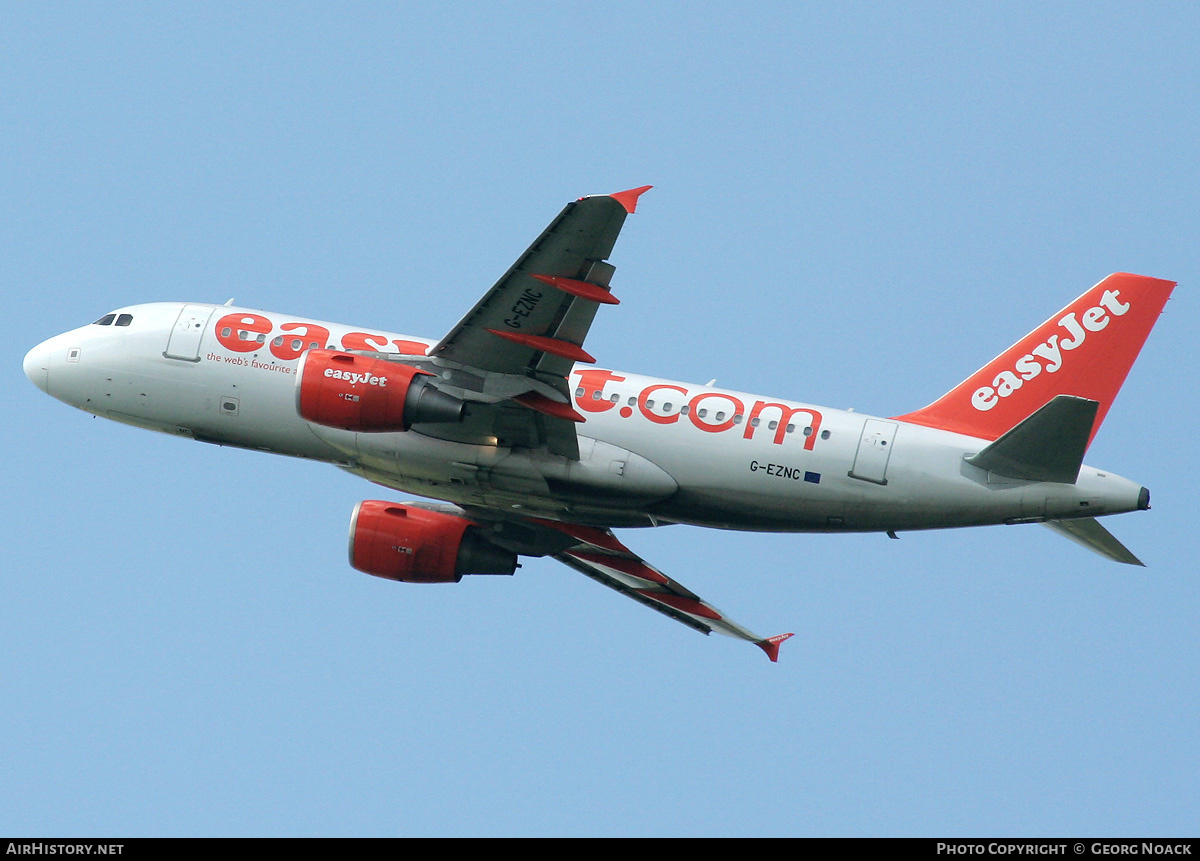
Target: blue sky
{"x": 854, "y": 205}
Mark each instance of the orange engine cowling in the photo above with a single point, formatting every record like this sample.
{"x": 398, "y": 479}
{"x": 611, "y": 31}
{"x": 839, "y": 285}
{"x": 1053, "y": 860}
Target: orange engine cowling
{"x": 361, "y": 393}
{"x": 402, "y": 542}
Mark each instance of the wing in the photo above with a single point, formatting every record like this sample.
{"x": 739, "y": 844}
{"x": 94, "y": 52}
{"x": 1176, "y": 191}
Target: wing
{"x": 512, "y": 352}
{"x": 598, "y": 554}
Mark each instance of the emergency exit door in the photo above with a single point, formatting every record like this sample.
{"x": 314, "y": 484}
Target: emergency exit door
{"x": 184, "y": 342}
{"x": 874, "y": 449}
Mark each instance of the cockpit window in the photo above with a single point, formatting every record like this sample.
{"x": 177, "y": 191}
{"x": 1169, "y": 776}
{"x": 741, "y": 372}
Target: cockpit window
{"x": 124, "y": 319}
{"x": 106, "y": 320}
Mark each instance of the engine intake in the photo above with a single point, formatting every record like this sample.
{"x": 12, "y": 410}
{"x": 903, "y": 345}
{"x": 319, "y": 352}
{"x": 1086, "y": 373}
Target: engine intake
{"x": 413, "y": 545}
{"x": 361, "y": 393}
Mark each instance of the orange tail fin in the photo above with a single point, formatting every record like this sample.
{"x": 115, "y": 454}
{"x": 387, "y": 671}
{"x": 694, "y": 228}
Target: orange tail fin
{"x": 1085, "y": 350}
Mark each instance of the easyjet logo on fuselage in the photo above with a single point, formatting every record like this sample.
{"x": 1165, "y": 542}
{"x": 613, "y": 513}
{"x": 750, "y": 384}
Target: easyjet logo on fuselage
{"x": 245, "y": 332}
{"x": 658, "y": 403}
{"x": 728, "y": 411}
{"x": 1050, "y": 355}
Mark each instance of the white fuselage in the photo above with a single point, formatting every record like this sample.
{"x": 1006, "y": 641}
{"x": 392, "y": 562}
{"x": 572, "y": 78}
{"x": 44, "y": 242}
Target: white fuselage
{"x": 651, "y": 451}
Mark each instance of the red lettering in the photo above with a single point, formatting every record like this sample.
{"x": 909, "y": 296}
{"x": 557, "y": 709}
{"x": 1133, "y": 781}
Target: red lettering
{"x": 364, "y": 341}
{"x": 305, "y": 335}
{"x": 379, "y": 344}
{"x": 592, "y": 399}
{"x": 785, "y": 416}
{"x": 693, "y": 412}
{"x": 411, "y": 348}
{"x": 230, "y": 325}
{"x": 645, "y": 410}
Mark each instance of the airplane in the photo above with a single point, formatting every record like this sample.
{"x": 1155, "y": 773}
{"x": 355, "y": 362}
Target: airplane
{"x": 519, "y": 446}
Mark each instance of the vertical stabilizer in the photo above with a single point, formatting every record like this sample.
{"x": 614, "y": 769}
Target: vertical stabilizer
{"x": 1085, "y": 350}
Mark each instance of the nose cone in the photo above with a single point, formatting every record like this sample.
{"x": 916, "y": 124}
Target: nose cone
{"x": 37, "y": 366}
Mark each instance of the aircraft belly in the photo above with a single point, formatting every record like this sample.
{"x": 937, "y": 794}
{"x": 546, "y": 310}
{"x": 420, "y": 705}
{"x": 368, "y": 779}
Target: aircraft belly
{"x": 606, "y": 481}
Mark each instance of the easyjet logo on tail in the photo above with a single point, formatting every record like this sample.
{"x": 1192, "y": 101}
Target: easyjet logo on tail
{"x": 1085, "y": 350}
{"x": 1049, "y": 355}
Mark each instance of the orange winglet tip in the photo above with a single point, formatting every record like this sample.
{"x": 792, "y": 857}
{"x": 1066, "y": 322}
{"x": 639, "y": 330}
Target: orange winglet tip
{"x": 554, "y": 346}
{"x": 771, "y": 645}
{"x": 544, "y": 405}
{"x": 629, "y": 199}
{"x": 582, "y": 289}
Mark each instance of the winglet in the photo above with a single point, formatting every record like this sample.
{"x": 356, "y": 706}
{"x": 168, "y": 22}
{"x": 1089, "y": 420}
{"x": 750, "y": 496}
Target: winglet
{"x": 629, "y": 199}
{"x": 771, "y": 645}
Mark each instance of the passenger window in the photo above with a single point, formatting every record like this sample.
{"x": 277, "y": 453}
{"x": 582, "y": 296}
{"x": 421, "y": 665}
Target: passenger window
{"x": 124, "y": 319}
{"x": 106, "y": 320}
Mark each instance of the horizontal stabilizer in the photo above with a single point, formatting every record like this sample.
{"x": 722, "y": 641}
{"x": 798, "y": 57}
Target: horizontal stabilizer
{"x": 1088, "y": 532}
{"x": 1047, "y": 446}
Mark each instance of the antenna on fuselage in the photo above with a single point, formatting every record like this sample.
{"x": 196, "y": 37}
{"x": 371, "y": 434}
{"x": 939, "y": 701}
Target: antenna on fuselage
{"x": 230, "y": 302}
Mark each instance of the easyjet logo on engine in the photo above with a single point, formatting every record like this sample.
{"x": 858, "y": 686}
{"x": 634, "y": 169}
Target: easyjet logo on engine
{"x": 354, "y": 378}
{"x": 1050, "y": 355}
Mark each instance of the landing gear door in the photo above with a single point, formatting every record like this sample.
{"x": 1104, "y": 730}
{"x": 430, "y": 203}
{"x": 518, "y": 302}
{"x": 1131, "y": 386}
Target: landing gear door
{"x": 184, "y": 342}
{"x": 874, "y": 449}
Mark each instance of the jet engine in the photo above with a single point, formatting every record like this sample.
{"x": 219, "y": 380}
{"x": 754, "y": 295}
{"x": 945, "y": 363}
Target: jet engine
{"x": 414, "y": 545}
{"x": 362, "y": 393}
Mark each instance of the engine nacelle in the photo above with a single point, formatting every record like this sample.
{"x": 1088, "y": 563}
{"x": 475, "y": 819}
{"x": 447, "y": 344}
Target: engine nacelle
{"x": 361, "y": 393}
{"x": 402, "y": 542}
